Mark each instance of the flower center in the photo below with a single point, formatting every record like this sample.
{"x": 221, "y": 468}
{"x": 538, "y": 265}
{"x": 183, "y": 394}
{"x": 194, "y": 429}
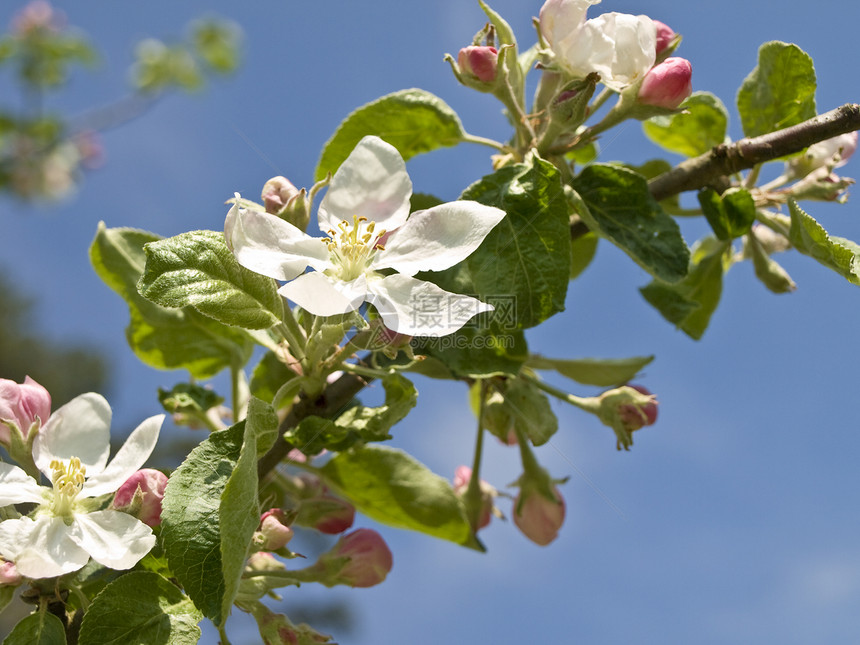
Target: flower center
{"x": 68, "y": 479}
{"x": 353, "y": 246}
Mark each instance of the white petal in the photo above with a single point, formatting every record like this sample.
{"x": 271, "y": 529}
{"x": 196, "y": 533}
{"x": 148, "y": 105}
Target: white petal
{"x": 268, "y": 245}
{"x": 131, "y": 456}
{"x": 439, "y": 237}
{"x": 418, "y": 308}
{"x": 114, "y": 539}
{"x": 16, "y": 486}
{"x": 41, "y": 548}
{"x": 372, "y": 183}
{"x": 320, "y": 295}
{"x": 81, "y": 428}
{"x": 559, "y": 18}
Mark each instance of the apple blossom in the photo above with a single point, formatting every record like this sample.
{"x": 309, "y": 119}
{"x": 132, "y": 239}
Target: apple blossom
{"x": 23, "y": 405}
{"x": 667, "y": 84}
{"x": 618, "y": 46}
{"x": 62, "y": 533}
{"x": 369, "y": 195}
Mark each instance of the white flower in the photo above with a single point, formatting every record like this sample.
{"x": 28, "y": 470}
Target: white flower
{"x": 366, "y": 215}
{"x": 62, "y": 534}
{"x": 618, "y": 46}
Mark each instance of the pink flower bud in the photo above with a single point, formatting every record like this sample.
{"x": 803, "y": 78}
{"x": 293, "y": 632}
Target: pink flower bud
{"x": 141, "y": 496}
{"x": 461, "y": 484}
{"x": 667, "y": 84}
{"x": 665, "y": 35}
{"x": 634, "y": 417}
{"x": 277, "y": 193}
{"x": 9, "y": 575}
{"x": 370, "y": 558}
{"x": 821, "y": 153}
{"x": 326, "y": 514}
{"x": 274, "y": 530}
{"x": 479, "y": 61}
{"x": 37, "y": 16}
{"x": 23, "y": 404}
{"x": 538, "y": 517}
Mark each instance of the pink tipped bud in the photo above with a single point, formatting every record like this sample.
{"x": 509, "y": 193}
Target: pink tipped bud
{"x": 479, "y": 61}
{"x": 9, "y": 575}
{"x": 24, "y": 405}
{"x": 326, "y": 514}
{"x": 634, "y": 417}
{"x": 141, "y": 496}
{"x": 277, "y": 193}
{"x": 37, "y": 16}
{"x": 538, "y": 517}
{"x": 461, "y": 484}
{"x": 667, "y": 84}
{"x": 275, "y": 533}
{"x": 665, "y": 35}
{"x": 824, "y": 152}
{"x": 370, "y": 559}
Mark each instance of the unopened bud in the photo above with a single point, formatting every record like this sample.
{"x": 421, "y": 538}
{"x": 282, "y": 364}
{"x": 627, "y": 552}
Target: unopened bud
{"x": 26, "y": 405}
{"x": 286, "y": 201}
{"x": 479, "y": 61}
{"x": 538, "y": 516}
{"x": 667, "y": 40}
{"x": 326, "y": 514}
{"x": 9, "y": 575}
{"x": 667, "y": 84}
{"x": 461, "y": 484}
{"x": 274, "y": 532}
{"x": 141, "y": 496}
{"x": 369, "y": 559}
{"x": 821, "y": 185}
{"x": 635, "y": 416}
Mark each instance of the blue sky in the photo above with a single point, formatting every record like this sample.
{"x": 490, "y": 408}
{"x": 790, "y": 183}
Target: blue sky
{"x": 733, "y": 520}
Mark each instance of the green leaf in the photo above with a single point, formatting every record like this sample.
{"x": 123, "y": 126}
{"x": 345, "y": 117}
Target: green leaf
{"x": 582, "y": 252}
{"x": 476, "y": 352}
{"x": 523, "y": 265}
{"x": 730, "y": 215}
{"x": 779, "y": 92}
{"x": 209, "y": 513}
{"x": 189, "y": 398}
{"x": 530, "y": 411}
{"x": 41, "y": 628}
{"x": 701, "y": 126}
{"x": 239, "y": 513}
{"x": 772, "y": 275}
{"x": 604, "y": 372}
{"x": 359, "y": 424}
{"x": 690, "y": 303}
{"x": 617, "y": 205}
{"x": 391, "y": 487}
{"x": 810, "y": 238}
{"x": 141, "y": 607}
{"x": 413, "y": 121}
{"x": 160, "y": 337}
{"x": 270, "y": 374}
{"x": 197, "y": 269}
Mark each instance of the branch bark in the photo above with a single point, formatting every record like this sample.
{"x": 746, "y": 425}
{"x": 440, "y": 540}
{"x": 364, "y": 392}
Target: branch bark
{"x": 727, "y": 159}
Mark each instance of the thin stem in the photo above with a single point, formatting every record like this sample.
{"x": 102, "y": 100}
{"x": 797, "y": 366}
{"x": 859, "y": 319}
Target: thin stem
{"x": 752, "y": 177}
{"x": 490, "y": 143}
{"x": 368, "y": 372}
{"x": 235, "y": 371}
{"x": 586, "y": 404}
{"x": 473, "y": 492}
{"x": 222, "y": 634}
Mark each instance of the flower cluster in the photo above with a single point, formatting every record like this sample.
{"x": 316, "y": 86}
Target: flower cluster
{"x": 69, "y": 525}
